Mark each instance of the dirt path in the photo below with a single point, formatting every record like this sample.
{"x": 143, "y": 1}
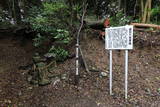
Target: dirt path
{"x": 92, "y": 91}
{"x": 144, "y": 73}
{"x": 12, "y": 81}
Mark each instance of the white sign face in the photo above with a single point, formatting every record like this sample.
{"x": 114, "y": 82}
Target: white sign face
{"x": 119, "y": 37}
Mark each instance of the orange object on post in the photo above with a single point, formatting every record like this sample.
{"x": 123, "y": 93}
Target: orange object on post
{"x": 106, "y": 23}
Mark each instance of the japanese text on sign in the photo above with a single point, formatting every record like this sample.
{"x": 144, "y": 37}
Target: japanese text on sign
{"x": 119, "y": 37}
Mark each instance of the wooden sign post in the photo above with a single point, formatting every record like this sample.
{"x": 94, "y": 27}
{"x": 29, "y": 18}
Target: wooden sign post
{"x": 119, "y": 38}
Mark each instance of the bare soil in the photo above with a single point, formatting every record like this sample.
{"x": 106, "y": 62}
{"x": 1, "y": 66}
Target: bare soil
{"x": 93, "y": 89}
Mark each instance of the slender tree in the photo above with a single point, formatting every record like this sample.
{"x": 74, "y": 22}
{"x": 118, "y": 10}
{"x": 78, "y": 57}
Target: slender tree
{"x": 146, "y": 10}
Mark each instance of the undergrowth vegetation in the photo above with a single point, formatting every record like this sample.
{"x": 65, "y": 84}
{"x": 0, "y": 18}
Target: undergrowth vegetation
{"x": 155, "y": 15}
{"x": 120, "y": 19}
{"x": 50, "y": 22}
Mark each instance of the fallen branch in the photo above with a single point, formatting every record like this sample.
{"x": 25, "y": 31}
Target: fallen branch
{"x": 84, "y": 61}
{"x": 146, "y": 25}
{"x": 90, "y": 22}
{"x": 144, "y": 30}
{"x": 3, "y": 30}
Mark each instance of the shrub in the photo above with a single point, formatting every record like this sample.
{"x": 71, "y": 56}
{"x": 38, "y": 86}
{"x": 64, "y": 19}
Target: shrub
{"x": 155, "y": 15}
{"x": 60, "y": 54}
{"x": 119, "y": 19}
{"x": 51, "y": 23}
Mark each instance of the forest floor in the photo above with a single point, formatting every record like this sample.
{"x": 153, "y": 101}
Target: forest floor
{"x": 92, "y": 90}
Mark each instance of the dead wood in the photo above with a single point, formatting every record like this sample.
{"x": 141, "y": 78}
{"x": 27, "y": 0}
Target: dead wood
{"x": 144, "y": 30}
{"x": 84, "y": 61}
{"x": 146, "y": 25}
{"x": 95, "y": 24}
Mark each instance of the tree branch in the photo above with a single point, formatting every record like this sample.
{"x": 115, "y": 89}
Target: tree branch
{"x": 82, "y": 20}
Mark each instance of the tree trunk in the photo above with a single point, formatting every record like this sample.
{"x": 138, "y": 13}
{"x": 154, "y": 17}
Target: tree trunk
{"x": 146, "y": 11}
{"x": 142, "y": 8}
{"x": 16, "y": 12}
{"x": 135, "y": 8}
{"x": 70, "y": 3}
{"x": 149, "y": 11}
{"x": 119, "y": 4}
{"x": 144, "y": 17}
{"x": 125, "y": 7}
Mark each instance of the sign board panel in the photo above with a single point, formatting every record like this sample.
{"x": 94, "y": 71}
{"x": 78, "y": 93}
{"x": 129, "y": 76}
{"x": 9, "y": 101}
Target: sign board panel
{"x": 119, "y": 37}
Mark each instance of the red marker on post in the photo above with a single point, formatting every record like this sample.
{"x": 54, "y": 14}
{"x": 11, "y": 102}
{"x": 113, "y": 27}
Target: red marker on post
{"x": 106, "y": 24}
